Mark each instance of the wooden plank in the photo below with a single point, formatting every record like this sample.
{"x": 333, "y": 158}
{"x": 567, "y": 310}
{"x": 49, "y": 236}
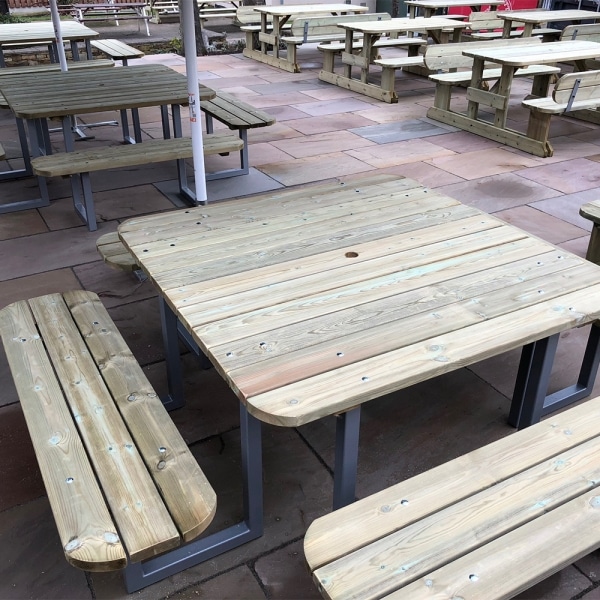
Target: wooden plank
{"x": 368, "y": 280}
{"x": 367, "y": 89}
{"x": 184, "y": 488}
{"x": 287, "y": 353}
{"x": 311, "y": 399}
{"x": 284, "y": 239}
{"x": 275, "y": 203}
{"x": 114, "y": 157}
{"x": 296, "y": 270}
{"x": 136, "y": 505}
{"x": 430, "y": 543}
{"x": 588, "y": 86}
{"x": 537, "y": 550}
{"x": 89, "y": 538}
{"x": 359, "y": 524}
{"x": 331, "y": 212}
{"x": 509, "y": 137}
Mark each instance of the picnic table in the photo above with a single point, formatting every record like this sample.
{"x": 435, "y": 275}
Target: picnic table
{"x": 439, "y": 29}
{"x": 510, "y": 59}
{"x": 310, "y": 302}
{"x": 43, "y": 33}
{"x": 85, "y": 91}
{"x": 102, "y": 11}
{"x": 531, "y": 18}
{"x": 270, "y": 33}
{"x": 430, "y": 7}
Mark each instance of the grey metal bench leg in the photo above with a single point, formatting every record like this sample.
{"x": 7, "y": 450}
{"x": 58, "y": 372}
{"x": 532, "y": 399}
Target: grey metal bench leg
{"x": 139, "y": 575}
{"x": 37, "y": 137}
{"x": 26, "y": 170}
{"x": 530, "y": 400}
{"x": 346, "y": 457}
{"x": 168, "y": 321}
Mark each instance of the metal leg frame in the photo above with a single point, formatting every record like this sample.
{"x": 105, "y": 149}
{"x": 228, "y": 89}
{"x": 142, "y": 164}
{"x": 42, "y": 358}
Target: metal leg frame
{"x": 244, "y": 161}
{"x": 26, "y": 170}
{"x": 39, "y": 142}
{"x": 346, "y": 457}
{"x": 139, "y": 575}
{"x": 530, "y": 399}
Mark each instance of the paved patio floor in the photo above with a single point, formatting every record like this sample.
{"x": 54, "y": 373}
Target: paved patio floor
{"x": 322, "y": 133}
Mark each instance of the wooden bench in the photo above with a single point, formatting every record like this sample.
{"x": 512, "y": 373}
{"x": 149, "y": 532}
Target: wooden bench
{"x": 122, "y": 484}
{"x": 486, "y": 525}
{"x": 577, "y": 94}
{"x": 486, "y": 25}
{"x": 237, "y": 115}
{"x": 117, "y": 50}
{"x": 71, "y": 65}
{"x": 450, "y": 56}
{"x": 306, "y": 30}
{"x": 114, "y": 253}
{"x": 589, "y": 32}
{"x": 331, "y": 49}
{"x": 591, "y": 211}
{"x": 81, "y": 163}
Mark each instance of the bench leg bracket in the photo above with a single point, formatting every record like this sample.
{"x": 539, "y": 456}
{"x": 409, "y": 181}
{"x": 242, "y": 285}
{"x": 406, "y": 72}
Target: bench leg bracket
{"x": 530, "y": 399}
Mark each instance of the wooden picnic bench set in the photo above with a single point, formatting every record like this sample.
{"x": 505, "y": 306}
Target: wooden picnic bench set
{"x": 127, "y": 493}
{"x": 208, "y": 10}
{"x": 110, "y": 10}
{"x": 122, "y": 90}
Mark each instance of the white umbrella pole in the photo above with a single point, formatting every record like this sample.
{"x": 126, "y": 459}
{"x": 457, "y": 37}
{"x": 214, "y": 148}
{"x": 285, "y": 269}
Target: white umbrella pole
{"x": 60, "y": 48}
{"x": 189, "y": 44}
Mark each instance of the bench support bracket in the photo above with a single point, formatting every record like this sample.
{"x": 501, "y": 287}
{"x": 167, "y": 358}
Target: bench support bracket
{"x": 346, "y": 457}
{"x": 139, "y": 575}
{"x": 530, "y": 399}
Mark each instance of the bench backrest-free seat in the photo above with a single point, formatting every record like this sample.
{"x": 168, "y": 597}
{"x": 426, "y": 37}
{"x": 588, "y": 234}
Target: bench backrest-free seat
{"x": 122, "y": 483}
{"x": 486, "y": 525}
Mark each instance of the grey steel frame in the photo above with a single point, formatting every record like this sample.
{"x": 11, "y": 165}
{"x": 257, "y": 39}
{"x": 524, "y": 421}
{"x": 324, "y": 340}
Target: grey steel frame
{"x": 139, "y": 575}
{"x": 81, "y": 187}
{"x": 530, "y": 402}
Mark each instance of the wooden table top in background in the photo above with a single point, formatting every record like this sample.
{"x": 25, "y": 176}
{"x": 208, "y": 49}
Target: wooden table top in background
{"x": 43, "y": 31}
{"x": 58, "y": 93}
{"x": 404, "y": 24}
{"x": 301, "y": 9}
{"x": 312, "y": 301}
{"x": 548, "y": 53}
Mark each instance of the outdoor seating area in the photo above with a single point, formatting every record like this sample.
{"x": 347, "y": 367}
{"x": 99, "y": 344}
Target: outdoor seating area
{"x": 363, "y": 365}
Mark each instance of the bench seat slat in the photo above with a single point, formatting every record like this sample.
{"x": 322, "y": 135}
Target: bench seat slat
{"x": 531, "y": 497}
{"x": 424, "y": 546}
{"x": 535, "y": 551}
{"x": 113, "y": 157}
{"x": 174, "y": 470}
{"x": 108, "y": 443}
{"x": 235, "y": 113}
{"x": 87, "y": 533}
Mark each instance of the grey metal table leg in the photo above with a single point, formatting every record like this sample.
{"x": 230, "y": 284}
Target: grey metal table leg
{"x": 346, "y": 457}
{"x": 26, "y": 171}
{"x": 173, "y": 362}
{"x": 139, "y": 575}
{"x": 530, "y": 399}
{"x": 532, "y": 382}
